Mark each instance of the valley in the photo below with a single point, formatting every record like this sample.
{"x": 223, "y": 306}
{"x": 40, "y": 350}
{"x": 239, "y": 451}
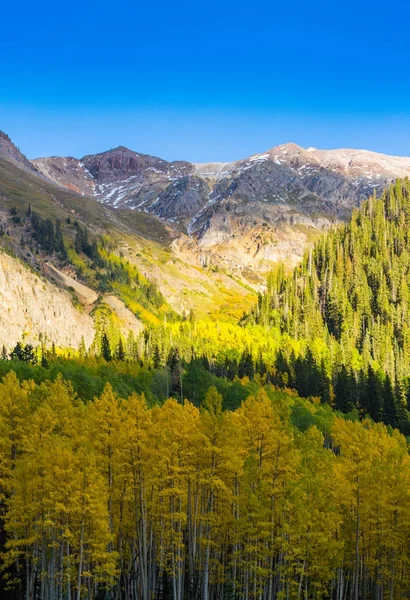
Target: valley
{"x": 216, "y": 358}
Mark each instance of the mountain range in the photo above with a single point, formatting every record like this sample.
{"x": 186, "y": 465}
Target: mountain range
{"x": 207, "y": 234}
{"x": 245, "y": 213}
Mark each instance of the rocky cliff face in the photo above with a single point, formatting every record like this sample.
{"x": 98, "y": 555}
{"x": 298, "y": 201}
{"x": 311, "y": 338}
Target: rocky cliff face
{"x": 118, "y": 177}
{"x": 67, "y": 172}
{"x": 34, "y": 308}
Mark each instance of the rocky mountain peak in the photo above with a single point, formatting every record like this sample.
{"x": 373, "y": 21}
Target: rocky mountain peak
{"x": 121, "y": 163}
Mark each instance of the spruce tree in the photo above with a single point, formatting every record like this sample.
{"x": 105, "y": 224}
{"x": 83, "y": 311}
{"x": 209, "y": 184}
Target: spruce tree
{"x": 29, "y": 354}
{"x": 345, "y": 391}
{"x": 120, "y": 353}
{"x": 156, "y": 357}
{"x": 82, "y": 350}
{"x": 390, "y": 416}
{"x": 175, "y": 369}
{"x": 105, "y": 347}
{"x": 18, "y": 352}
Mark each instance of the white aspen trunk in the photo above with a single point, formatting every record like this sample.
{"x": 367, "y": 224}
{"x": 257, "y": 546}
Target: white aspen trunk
{"x": 206, "y": 574}
{"x": 301, "y": 579}
{"x": 144, "y": 566}
{"x": 27, "y": 577}
{"x": 68, "y": 573}
{"x": 52, "y": 570}
{"x": 356, "y": 578}
{"x": 80, "y": 562}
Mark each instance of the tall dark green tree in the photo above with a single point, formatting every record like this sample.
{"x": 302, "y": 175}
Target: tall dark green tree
{"x": 18, "y": 352}
{"x": 345, "y": 391}
{"x": 105, "y": 347}
{"x": 120, "y": 352}
{"x": 390, "y": 416}
{"x": 175, "y": 370}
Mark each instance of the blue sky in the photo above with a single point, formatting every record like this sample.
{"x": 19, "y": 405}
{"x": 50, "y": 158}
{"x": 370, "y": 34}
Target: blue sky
{"x": 204, "y": 81}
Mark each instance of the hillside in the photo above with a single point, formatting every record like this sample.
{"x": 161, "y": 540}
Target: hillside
{"x": 12, "y": 153}
{"x": 137, "y": 242}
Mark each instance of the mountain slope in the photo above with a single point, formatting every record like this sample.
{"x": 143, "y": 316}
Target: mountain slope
{"x": 332, "y": 180}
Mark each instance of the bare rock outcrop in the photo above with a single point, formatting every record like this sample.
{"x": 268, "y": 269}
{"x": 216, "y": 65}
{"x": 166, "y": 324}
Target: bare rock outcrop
{"x": 30, "y": 306}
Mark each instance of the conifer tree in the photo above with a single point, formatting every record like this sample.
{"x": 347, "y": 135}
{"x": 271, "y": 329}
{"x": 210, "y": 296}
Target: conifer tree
{"x": 82, "y": 350}
{"x": 105, "y": 347}
{"x": 17, "y": 352}
{"x": 175, "y": 369}
{"x": 120, "y": 353}
{"x": 390, "y": 416}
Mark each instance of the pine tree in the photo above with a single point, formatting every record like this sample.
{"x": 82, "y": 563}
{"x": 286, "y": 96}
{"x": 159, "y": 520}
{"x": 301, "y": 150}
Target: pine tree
{"x": 44, "y": 360}
{"x": 82, "y": 350}
{"x": 105, "y": 347}
{"x": 59, "y": 241}
{"x": 246, "y": 367}
{"x": 120, "y": 353}
{"x": 390, "y": 416}
{"x": 345, "y": 391}
{"x": 17, "y": 352}
{"x": 372, "y": 395}
{"x": 175, "y": 369}
{"x": 28, "y": 354}
{"x": 156, "y": 357}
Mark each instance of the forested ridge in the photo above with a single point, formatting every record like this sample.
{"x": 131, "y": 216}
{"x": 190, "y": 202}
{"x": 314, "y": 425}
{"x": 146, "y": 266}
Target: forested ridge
{"x": 215, "y": 460}
{"x": 348, "y": 304}
{"x": 353, "y": 286}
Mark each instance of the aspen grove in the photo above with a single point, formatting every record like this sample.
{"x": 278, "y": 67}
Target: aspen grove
{"x": 280, "y": 498}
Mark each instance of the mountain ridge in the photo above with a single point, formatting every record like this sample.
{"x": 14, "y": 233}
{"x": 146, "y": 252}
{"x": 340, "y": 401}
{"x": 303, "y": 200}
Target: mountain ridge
{"x": 142, "y": 178}
{"x": 241, "y": 215}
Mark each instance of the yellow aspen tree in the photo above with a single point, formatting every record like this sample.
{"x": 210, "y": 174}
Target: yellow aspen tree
{"x": 354, "y": 469}
{"x": 313, "y": 520}
{"x": 270, "y": 459}
{"x": 176, "y": 428}
{"x": 135, "y": 530}
{"x": 14, "y": 422}
{"x": 211, "y": 493}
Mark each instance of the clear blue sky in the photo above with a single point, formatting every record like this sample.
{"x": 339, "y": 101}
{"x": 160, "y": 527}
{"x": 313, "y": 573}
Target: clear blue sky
{"x": 204, "y": 80}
